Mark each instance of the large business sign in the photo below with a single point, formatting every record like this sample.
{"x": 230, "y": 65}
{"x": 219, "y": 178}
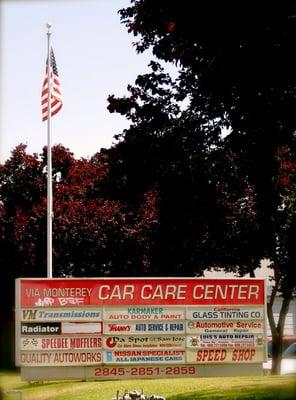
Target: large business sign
{"x": 135, "y": 291}
{"x": 113, "y": 328}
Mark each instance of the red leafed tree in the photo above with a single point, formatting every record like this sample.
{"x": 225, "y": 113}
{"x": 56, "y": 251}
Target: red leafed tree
{"x": 93, "y": 235}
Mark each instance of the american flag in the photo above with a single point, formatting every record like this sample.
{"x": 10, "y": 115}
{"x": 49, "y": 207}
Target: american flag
{"x": 56, "y": 96}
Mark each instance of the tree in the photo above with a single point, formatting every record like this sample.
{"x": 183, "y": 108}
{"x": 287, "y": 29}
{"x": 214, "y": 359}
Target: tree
{"x": 284, "y": 250}
{"x": 21, "y": 184}
{"x": 93, "y": 235}
{"x": 236, "y": 70}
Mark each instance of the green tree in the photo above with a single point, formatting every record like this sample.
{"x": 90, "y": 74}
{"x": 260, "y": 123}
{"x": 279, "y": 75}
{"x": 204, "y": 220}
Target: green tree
{"x": 237, "y": 71}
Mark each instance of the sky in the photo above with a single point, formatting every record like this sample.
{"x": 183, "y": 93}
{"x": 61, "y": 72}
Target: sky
{"x": 95, "y": 57}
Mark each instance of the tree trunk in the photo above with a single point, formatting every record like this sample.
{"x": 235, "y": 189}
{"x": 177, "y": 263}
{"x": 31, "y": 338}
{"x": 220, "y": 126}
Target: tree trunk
{"x": 275, "y": 339}
{"x": 277, "y": 330}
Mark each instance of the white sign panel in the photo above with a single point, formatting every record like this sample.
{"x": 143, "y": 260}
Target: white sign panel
{"x": 215, "y": 356}
{"x": 115, "y": 314}
{"x": 219, "y": 327}
{"x": 225, "y": 314}
{"x": 224, "y": 340}
{"x": 61, "y": 358}
{"x": 142, "y": 342}
{"x": 144, "y": 328}
{"x": 144, "y": 356}
{"x": 81, "y": 327}
{"x": 64, "y": 314}
{"x": 61, "y": 343}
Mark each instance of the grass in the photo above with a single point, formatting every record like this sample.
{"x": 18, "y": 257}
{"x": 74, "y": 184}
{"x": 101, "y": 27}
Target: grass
{"x": 251, "y": 388}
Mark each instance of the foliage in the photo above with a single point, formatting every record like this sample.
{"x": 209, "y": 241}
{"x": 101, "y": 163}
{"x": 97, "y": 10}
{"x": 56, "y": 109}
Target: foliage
{"x": 93, "y": 234}
{"x": 236, "y": 71}
{"x": 233, "y": 74}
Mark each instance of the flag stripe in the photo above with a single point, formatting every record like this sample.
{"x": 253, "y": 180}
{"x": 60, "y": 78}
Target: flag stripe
{"x": 56, "y": 100}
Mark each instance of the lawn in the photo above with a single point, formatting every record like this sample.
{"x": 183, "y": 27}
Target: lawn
{"x": 251, "y": 388}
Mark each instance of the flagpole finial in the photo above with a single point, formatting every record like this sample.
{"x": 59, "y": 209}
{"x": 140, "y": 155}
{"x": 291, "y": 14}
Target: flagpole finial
{"x": 48, "y": 26}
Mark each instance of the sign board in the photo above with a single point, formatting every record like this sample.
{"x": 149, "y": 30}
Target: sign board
{"x": 112, "y": 328}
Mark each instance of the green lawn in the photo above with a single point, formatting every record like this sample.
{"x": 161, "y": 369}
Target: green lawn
{"x": 251, "y": 388}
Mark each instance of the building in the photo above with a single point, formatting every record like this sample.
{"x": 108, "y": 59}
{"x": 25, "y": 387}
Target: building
{"x": 266, "y": 273}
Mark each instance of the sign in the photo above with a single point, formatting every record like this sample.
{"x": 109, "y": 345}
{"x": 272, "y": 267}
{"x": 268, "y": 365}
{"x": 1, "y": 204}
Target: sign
{"x": 113, "y": 328}
{"x": 141, "y": 342}
{"x": 225, "y": 313}
{"x": 225, "y": 326}
{"x": 59, "y": 358}
{"x": 57, "y": 328}
{"x": 214, "y": 356}
{"x": 61, "y": 343}
{"x": 143, "y": 313}
{"x": 65, "y": 314}
{"x": 81, "y": 327}
{"x": 43, "y": 328}
{"x": 137, "y": 291}
{"x": 224, "y": 340}
{"x": 144, "y": 356}
{"x": 144, "y": 328}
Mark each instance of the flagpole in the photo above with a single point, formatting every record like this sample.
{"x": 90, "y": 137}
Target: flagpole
{"x": 49, "y": 161}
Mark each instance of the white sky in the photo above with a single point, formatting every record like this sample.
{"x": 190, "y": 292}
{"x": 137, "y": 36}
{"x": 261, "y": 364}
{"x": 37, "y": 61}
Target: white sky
{"x": 94, "y": 56}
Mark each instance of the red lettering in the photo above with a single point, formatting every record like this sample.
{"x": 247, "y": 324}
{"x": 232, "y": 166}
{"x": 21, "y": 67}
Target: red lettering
{"x": 253, "y": 352}
{"x": 199, "y": 355}
{"x": 117, "y": 328}
{"x": 54, "y": 343}
{"x": 243, "y": 354}
{"x": 211, "y": 355}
